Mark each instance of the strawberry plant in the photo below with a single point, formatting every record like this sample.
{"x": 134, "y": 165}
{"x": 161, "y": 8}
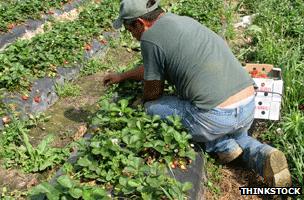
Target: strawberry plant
{"x": 15, "y": 12}
{"x": 61, "y": 45}
{"x": 128, "y": 147}
{"x": 67, "y": 188}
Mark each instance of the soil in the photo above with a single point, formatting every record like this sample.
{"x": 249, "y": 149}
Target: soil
{"x": 71, "y": 113}
{"x": 233, "y": 176}
{"x": 17, "y": 180}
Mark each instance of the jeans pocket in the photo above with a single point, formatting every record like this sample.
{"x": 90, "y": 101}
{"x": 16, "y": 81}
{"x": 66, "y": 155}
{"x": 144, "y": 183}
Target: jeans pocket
{"x": 214, "y": 122}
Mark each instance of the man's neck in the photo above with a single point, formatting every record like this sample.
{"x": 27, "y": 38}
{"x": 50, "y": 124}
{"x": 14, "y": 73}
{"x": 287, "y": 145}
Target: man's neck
{"x": 149, "y": 25}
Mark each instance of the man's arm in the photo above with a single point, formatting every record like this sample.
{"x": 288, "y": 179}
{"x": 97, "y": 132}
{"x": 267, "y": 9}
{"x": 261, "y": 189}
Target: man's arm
{"x": 134, "y": 74}
{"x": 153, "y": 90}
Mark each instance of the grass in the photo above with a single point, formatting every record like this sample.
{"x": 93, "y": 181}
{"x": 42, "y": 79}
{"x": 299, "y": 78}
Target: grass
{"x": 217, "y": 15}
{"x": 68, "y": 90}
{"x": 214, "y": 176}
{"x": 93, "y": 66}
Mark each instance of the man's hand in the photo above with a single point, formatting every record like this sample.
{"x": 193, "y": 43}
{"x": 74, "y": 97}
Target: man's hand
{"x": 133, "y": 74}
{"x": 111, "y": 78}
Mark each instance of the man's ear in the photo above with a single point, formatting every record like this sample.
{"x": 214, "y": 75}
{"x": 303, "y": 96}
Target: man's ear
{"x": 140, "y": 20}
{"x": 143, "y": 23}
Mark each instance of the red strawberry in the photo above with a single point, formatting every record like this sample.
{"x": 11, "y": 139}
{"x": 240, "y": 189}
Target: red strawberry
{"x": 87, "y": 47}
{"x": 263, "y": 76}
{"x": 65, "y": 62}
{"x": 6, "y": 119}
{"x": 254, "y": 72}
{"x": 173, "y": 166}
{"x": 10, "y": 26}
{"x": 37, "y": 99}
{"x": 51, "y": 12}
{"x": 24, "y": 97}
{"x": 104, "y": 42}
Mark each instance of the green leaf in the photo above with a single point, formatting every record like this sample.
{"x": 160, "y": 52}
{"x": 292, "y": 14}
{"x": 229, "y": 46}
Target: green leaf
{"x": 99, "y": 193}
{"x": 86, "y": 195}
{"x": 28, "y": 145}
{"x": 84, "y": 162}
{"x": 75, "y": 192}
{"x": 138, "y": 124}
{"x": 134, "y": 183}
{"x": 123, "y": 181}
{"x": 45, "y": 164}
{"x": 47, "y": 189}
{"x": 146, "y": 196}
{"x": 65, "y": 181}
{"x": 186, "y": 186}
{"x": 123, "y": 103}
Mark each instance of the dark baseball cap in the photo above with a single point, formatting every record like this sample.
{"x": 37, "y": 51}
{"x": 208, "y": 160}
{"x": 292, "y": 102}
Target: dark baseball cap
{"x": 130, "y": 9}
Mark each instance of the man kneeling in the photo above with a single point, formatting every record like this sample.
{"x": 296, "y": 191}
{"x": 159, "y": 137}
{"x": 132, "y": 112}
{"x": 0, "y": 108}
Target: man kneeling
{"x": 215, "y": 94}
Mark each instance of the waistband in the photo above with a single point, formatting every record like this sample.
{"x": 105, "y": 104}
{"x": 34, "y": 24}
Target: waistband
{"x": 240, "y": 103}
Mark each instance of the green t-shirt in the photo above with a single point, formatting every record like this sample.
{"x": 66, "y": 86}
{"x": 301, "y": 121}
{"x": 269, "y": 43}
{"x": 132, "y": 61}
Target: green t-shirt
{"x": 194, "y": 59}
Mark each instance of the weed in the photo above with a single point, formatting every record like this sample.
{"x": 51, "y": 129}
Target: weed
{"x": 92, "y": 67}
{"x": 5, "y": 195}
{"x": 16, "y": 149}
{"x": 68, "y": 89}
{"x": 214, "y": 176}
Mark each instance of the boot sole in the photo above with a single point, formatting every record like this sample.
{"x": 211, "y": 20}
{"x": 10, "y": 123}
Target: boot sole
{"x": 276, "y": 173}
{"x": 228, "y": 157}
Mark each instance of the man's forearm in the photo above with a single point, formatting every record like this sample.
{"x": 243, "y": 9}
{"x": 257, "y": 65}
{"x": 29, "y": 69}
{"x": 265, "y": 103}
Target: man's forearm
{"x": 134, "y": 74}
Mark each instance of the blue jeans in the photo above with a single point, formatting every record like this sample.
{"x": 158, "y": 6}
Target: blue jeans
{"x": 220, "y": 129}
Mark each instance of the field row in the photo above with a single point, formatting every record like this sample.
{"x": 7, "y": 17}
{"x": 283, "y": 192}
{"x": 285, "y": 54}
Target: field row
{"x": 15, "y": 12}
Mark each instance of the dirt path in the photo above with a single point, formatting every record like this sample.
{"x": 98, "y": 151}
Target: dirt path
{"x": 71, "y": 113}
